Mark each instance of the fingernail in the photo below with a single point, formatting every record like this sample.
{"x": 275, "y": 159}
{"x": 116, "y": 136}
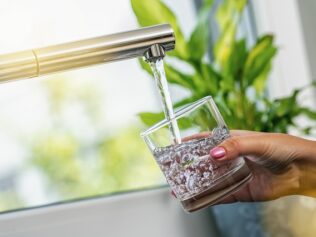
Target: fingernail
{"x": 218, "y": 152}
{"x": 173, "y": 194}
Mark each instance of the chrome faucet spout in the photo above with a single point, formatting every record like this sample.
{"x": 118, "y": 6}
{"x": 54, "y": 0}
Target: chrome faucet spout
{"x": 149, "y": 42}
{"x": 154, "y": 53}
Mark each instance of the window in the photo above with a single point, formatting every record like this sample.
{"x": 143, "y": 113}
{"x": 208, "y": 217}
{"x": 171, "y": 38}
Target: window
{"x": 73, "y": 134}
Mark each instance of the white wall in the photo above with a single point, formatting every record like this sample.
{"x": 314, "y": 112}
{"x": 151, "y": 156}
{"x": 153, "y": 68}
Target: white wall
{"x": 291, "y": 67}
{"x": 307, "y": 12}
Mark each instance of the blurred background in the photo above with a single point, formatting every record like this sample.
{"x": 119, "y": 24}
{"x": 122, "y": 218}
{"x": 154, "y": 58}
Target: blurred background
{"x": 76, "y": 134}
{"x": 73, "y": 134}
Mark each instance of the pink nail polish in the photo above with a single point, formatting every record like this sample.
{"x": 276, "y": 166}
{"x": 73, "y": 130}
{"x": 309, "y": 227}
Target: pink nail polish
{"x": 173, "y": 194}
{"x": 218, "y": 152}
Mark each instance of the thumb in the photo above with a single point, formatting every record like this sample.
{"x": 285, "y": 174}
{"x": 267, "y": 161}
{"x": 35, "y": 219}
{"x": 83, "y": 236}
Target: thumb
{"x": 234, "y": 147}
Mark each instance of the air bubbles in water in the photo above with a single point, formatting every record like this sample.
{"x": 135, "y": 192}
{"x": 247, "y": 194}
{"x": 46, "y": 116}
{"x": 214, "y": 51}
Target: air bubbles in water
{"x": 189, "y": 168}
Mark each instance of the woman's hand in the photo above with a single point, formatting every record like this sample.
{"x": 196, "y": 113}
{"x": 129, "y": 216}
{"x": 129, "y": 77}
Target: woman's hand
{"x": 281, "y": 165}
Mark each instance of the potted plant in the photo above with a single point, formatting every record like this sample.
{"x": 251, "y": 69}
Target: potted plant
{"x": 237, "y": 75}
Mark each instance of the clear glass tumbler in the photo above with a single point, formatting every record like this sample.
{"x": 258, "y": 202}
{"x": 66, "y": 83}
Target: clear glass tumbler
{"x": 195, "y": 178}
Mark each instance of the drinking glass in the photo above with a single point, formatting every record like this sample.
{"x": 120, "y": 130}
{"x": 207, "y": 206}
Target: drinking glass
{"x": 196, "y": 179}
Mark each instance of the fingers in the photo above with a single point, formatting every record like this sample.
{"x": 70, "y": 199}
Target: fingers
{"x": 241, "y": 143}
{"x": 236, "y": 133}
{"x": 237, "y": 146}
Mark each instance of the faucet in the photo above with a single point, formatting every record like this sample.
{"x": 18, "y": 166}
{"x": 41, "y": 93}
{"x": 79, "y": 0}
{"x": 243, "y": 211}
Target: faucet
{"x": 149, "y": 42}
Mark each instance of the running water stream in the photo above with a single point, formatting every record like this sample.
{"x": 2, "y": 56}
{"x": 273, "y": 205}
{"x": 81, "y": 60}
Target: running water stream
{"x": 158, "y": 70}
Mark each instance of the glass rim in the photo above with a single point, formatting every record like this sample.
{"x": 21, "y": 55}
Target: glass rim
{"x": 178, "y": 114}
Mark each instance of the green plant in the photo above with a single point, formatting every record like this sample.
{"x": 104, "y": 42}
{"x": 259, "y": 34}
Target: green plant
{"x": 236, "y": 77}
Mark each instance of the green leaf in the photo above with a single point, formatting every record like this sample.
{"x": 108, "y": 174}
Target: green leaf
{"x": 232, "y": 65}
{"x": 173, "y": 75}
{"x": 204, "y": 120}
{"x": 260, "y": 82}
{"x": 199, "y": 38}
{"x": 236, "y": 62}
{"x": 153, "y": 12}
{"x": 287, "y": 105}
{"x": 228, "y": 16}
{"x": 224, "y": 14}
{"x": 308, "y": 113}
{"x": 186, "y": 101}
{"x": 229, "y": 12}
{"x": 207, "y": 4}
{"x": 151, "y": 118}
{"x": 198, "y": 42}
{"x": 259, "y": 59}
{"x": 185, "y": 123}
{"x": 211, "y": 77}
{"x": 240, "y": 4}
{"x": 224, "y": 46}
{"x": 227, "y": 84}
{"x": 222, "y": 105}
{"x": 199, "y": 83}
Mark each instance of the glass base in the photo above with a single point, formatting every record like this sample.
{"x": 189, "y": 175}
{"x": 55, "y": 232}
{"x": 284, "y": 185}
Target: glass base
{"x": 225, "y": 186}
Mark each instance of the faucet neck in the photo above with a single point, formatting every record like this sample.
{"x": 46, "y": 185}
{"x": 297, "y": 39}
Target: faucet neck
{"x": 149, "y": 42}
